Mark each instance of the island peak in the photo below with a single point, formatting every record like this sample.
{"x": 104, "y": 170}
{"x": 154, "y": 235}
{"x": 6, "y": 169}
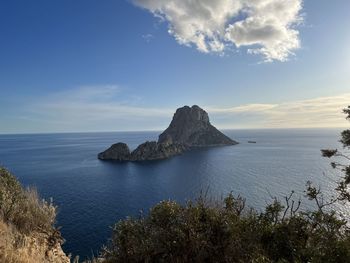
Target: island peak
{"x": 190, "y": 127}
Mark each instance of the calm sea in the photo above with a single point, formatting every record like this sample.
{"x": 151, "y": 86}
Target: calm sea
{"x": 92, "y": 195}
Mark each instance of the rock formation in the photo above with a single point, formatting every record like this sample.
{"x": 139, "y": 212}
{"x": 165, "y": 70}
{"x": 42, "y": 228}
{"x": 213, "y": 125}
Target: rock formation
{"x": 156, "y": 151}
{"x": 118, "y": 151}
{"x": 145, "y": 151}
{"x": 190, "y": 127}
{"x": 30, "y": 248}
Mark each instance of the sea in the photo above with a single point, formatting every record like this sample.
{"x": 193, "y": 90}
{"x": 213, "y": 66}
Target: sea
{"x": 93, "y": 195}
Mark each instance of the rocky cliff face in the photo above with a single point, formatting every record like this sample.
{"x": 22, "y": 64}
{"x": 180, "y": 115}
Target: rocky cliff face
{"x": 156, "y": 151}
{"x": 145, "y": 151}
{"x": 189, "y": 128}
{"x": 35, "y": 247}
{"x": 118, "y": 151}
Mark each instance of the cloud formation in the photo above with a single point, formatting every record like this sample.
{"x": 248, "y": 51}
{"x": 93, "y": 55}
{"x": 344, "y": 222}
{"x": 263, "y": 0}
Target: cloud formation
{"x": 311, "y": 113}
{"x": 111, "y": 108}
{"x": 265, "y": 27}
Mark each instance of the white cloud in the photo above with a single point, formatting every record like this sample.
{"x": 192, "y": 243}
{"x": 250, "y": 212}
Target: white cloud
{"x": 148, "y": 37}
{"x": 311, "y": 113}
{"x": 244, "y": 108}
{"x": 266, "y": 27}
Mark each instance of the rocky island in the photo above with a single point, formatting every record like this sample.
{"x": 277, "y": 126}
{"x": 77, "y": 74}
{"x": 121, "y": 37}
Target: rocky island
{"x": 189, "y": 128}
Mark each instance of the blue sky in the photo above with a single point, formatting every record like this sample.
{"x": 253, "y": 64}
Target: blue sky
{"x": 89, "y": 65}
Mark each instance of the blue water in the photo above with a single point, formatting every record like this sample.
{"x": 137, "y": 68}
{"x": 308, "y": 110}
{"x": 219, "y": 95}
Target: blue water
{"x": 92, "y": 195}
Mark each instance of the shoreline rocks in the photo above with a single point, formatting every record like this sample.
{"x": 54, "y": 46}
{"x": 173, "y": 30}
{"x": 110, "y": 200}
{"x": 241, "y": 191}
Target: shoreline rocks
{"x": 189, "y": 128}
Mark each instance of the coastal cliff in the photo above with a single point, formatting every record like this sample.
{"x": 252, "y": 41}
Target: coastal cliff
{"x": 189, "y": 128}
{"x": 36, "y": 247}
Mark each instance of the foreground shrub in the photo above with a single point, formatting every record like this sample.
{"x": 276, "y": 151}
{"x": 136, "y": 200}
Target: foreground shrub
{"x": 27, "y": 232}
{"x": 207, "y": 232}
{"x": 22, "y": 207}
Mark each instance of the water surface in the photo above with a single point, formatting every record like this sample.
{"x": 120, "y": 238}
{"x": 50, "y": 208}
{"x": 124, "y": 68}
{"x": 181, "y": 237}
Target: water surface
{"x": 92, "y": 194}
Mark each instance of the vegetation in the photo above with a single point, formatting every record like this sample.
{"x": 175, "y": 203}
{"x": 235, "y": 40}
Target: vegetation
{"x": 22, "y": 207}
{"x": 27, "y": 230}
{"x": 227, "y": 231}
{"x": 341, "y": 162}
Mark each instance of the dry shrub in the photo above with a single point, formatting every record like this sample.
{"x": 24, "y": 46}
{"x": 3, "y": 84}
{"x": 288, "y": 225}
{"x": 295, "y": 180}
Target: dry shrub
{"x": 27, "y": 231}
{"x": 35, "y": 214}
{"x": 15, "y": 247}
{"x": 23, "y": 208}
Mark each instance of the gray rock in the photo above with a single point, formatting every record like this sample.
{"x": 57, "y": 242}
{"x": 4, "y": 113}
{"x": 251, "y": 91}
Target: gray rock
{"x": 156, "y": 151}
{"x": 191, "y": 126}
{"x": 118, "y": 152}
{"x": 145, "y": 151}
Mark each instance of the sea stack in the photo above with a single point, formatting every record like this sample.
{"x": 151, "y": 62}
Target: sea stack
{"x": 189, "y": 128}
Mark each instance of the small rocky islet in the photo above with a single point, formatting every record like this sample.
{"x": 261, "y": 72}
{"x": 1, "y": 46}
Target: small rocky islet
{"x": 189, "y": 128}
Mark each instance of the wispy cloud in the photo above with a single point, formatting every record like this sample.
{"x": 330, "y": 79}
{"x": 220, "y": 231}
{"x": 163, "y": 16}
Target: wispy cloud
{"x": 112, "y": 108}
{"x": 245, "y": 108}
{"x": 148, "y": 37}
{"x": 266, "y": 27}
{"x": 96, "y": 108}
{"x": 94, "y": 102}
{"x": 317, "y": 112}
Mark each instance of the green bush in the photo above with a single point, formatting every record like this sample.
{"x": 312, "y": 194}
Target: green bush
{"x": 206, "y": 232}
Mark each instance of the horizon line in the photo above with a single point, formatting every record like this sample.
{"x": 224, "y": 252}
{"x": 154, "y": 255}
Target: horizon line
{"x": 134, "y": 131}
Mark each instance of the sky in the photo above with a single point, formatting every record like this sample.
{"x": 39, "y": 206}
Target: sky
{"x": 125, "y": 65}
